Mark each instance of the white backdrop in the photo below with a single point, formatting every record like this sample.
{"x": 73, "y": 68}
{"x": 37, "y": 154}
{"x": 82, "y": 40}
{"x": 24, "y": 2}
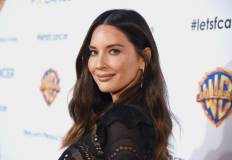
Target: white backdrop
{"x": 36, "y": 36}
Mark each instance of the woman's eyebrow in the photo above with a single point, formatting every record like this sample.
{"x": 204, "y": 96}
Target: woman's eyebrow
{"x": 92, "y": 47}
{"x": 114, "y": 45}
{"x": 108, "y": 46}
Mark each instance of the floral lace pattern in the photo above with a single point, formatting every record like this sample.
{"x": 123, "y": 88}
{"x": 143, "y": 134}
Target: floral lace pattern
{"x": 122, "y": 133}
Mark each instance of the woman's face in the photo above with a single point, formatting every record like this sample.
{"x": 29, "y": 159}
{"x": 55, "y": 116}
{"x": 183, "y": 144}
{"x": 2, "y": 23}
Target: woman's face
{"x": 113, "y": 62}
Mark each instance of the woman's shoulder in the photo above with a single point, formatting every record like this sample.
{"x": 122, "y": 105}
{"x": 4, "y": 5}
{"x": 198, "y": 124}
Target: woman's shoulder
{"x": 129, "y": 115}
{"x": 126, "y": 125}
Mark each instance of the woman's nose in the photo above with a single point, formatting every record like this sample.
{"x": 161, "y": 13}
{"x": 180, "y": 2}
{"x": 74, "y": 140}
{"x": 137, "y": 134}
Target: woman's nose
{"x": 101, "y": 60}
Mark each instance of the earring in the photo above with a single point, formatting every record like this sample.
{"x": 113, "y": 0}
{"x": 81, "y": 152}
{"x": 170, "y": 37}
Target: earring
{"x": 141, "y": 80}
{"x": 141, "y": 84}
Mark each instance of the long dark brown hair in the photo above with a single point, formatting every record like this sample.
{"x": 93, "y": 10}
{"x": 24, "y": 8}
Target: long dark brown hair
{"x": 88, "y": 102}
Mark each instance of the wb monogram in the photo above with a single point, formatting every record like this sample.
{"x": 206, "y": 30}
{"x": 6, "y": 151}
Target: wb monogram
{"x": 215, "y": 95}
{"x": 50, "y": 85}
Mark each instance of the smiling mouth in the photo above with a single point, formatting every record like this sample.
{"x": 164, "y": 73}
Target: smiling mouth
{"x": 103, "y": 78}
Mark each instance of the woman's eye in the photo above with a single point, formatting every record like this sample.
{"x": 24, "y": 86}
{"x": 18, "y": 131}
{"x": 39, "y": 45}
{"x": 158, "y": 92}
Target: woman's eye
{"x": 92, "y": 52}
{"x": 114, "y": 51}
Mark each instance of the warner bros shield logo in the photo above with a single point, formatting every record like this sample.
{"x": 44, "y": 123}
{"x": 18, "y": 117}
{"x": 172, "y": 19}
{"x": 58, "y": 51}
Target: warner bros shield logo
{"x": 50, "y": 85}
{"x": 215, "y": 95}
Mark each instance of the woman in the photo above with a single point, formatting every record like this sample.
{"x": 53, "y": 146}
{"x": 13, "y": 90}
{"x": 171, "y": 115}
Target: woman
{"x": 119, "y": 103}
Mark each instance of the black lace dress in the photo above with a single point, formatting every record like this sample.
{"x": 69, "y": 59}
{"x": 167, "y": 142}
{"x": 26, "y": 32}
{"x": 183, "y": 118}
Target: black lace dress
{"x": 124, "y": 132}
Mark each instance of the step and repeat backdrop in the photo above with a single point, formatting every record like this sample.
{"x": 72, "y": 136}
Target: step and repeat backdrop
{"x": 39, "y": 42}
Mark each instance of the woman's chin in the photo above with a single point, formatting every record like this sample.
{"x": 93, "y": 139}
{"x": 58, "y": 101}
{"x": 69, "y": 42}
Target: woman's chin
{"x": 105, "y": 90}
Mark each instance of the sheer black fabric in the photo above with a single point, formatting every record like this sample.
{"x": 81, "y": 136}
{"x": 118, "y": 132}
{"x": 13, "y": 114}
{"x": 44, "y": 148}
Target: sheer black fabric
{"x": 125, "y": 132}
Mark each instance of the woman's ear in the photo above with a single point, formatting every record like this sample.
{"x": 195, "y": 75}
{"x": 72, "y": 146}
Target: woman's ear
{"x": 147, "y": 54}
{"x": 146, "y": 59}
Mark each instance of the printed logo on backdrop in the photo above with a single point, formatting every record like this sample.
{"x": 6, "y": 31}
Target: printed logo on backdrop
{"x": 50, "y": 86}
{"x": 7, "y": 73}
{"x": 215, "y": 95}
{"x": 8, "y": 39}
{"x": 48, "y": 1}
{"x": 38, "y": 134}
{"x": 207, "y": 24}
{"x": 52, "y": 37}
{"x": 3, "y": 108}
{"x": 2, "y": 2}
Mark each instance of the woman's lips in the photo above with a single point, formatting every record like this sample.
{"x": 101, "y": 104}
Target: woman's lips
{"x": 104, "y": 77}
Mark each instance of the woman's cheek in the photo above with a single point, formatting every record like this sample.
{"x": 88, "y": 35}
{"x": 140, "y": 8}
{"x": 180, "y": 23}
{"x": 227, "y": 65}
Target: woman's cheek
{"x": 90, "y": 65}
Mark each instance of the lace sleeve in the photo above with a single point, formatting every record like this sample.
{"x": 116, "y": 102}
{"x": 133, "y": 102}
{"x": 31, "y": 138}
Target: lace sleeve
{"x": 129, "y": 135}
{"x": 123, "y": 143}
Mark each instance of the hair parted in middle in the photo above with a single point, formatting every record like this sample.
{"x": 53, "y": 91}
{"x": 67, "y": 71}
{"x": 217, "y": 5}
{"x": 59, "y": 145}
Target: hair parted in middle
{"x": 88, "y": 102}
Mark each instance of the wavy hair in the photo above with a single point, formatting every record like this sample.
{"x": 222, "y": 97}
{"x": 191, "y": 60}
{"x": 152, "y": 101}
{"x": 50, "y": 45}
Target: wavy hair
{"x": 88, "y": 102}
